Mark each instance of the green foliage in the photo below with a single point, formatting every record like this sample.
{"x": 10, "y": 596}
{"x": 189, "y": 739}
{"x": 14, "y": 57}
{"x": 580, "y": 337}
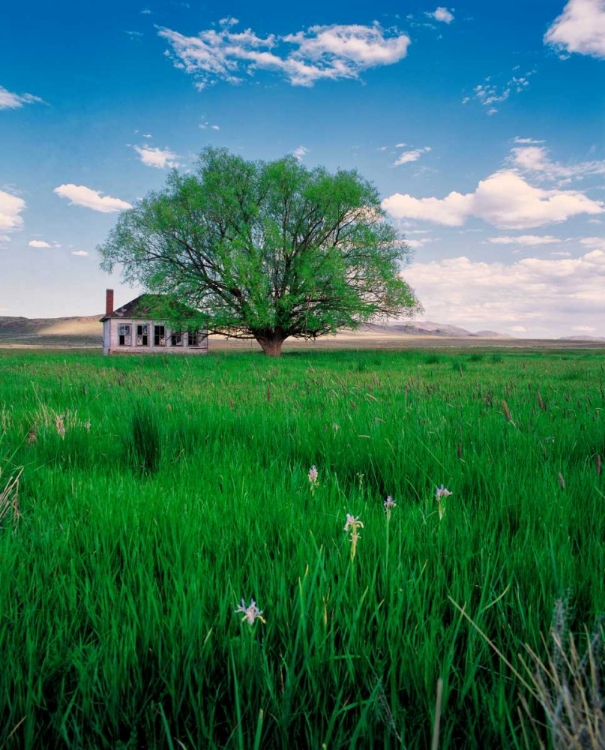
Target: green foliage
{"x": 265, "y": 250}
{"x": 118, "y": 590}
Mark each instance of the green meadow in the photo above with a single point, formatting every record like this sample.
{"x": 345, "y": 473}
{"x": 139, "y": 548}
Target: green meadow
{"x": 157, "y": 493}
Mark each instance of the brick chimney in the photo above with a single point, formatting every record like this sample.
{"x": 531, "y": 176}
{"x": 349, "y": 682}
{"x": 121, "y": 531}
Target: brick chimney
{"x": 108, "y": 301}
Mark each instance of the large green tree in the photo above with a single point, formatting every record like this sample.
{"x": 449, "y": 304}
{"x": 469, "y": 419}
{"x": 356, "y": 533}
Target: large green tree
{"x": 265, "y": 250}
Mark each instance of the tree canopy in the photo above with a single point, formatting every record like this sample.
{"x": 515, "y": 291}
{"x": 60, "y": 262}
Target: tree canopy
{"x": 265, "y": 250}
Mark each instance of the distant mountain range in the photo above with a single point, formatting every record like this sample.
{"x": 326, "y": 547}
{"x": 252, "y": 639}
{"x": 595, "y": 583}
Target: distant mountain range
{"x": 88, "y": 331}
{"x": 427, "y": 328}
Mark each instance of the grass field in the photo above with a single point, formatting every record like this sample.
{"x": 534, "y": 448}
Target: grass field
{"x": 156, "y": 493}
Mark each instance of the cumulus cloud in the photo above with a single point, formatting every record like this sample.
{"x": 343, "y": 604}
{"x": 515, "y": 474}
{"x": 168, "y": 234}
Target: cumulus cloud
{"x": 80, "y": 253}
{"x": 580, "y": 28}
{"x": 545, "y": 296}
{"x": 11, "y": 208}
{"x": 442, "y": 14}
{"x": 157, "y": 157}
{"x": 409, "y": 156}
{"x": 594, "y": 243}
{"x": 536, "y": 160}
{"x": 39, "y": 243}
{"x": 79, "y": 195}
{"x": 322, "y": 52}
{"x": 525, "y": 239}
{"x": 9, "y": 100}
{"x": 504, "y": 200}
{"x": 300, "y": 152}
{"x": 205, "y": 125}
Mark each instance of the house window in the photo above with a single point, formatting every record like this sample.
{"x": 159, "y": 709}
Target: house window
{"x": 124, "y": 336}
{"x": 143, "y": 335}
{"x": 192, "y": 338}
{"x": 177, "y": 338}
{"x": 159, "y": 336}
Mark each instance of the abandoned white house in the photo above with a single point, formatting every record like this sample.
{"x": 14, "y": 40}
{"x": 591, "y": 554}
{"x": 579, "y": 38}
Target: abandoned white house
{"x": 132, "y": 328}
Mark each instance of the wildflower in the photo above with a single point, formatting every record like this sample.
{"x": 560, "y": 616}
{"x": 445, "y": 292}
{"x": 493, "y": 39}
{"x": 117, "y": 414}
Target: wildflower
{"x": 251, "y": 613}
{"x": 440, "y": 493}
{"x": 313, "y": 479}
{"x": 353, "y": 525}
{"x": 389, "y": 504}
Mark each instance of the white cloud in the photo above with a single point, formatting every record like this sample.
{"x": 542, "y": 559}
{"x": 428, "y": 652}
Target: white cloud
{"x": 157, "y": 157}
{"x": 8, "y": 100}
{"x": 205, "y": 125}
{"x": 583, "y": 329}
{"x": 4, "y": 238}
{"x": 300, "y": 152}
{"x": 10, "y": 209}
{"x": 535, "y": 160}
{"x": 409, "y": 156}
{"x": 525, "y": 239}
{"x": 526, "y": 141}
{"x": 489, "y": 93}
{"x": 415, "y": 244}
{"x": 580, "y": 28}
{"x": 546, "y": 296}
{"x": 147, "y": 135}
{"x": 594, "y": 243}
{"x": 39, "y": 243}
{"x": 80, "y": 253}
{"x": 442, "y": 14}
{"x": 79, "y": 195}
{"x": 322, "y": 52}
{"x": 503, "y": 199}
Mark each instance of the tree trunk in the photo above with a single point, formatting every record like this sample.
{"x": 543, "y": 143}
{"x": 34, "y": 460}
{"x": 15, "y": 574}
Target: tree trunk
{"x": 272, "y": 343}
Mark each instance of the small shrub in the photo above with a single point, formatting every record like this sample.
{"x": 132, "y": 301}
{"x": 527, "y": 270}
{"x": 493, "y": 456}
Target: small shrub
{"x": 475, "y": 357}
{"x": 433, "y": 359}
{"x": 496, "y": 357}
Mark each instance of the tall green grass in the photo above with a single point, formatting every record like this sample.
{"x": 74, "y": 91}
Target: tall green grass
{"x": 181, "y": 486}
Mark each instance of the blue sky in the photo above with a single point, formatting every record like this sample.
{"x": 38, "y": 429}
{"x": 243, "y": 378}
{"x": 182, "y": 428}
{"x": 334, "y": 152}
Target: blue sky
{"x": 481, "y": 124}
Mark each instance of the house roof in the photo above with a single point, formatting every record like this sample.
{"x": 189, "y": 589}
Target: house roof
{"x": 147, "y": 306}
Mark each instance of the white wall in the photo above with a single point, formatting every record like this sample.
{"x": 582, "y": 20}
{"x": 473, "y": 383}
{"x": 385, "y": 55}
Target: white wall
{"x": 111, "y": 339}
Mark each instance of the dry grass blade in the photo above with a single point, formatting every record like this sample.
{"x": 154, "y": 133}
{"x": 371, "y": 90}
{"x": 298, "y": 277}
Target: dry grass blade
{"x": 568, "y": 689}
{"x": 9, "y": 499}
{"x": 566, "y": 686}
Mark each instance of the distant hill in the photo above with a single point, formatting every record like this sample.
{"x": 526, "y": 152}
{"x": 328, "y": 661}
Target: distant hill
{"x": 428, "y": 328}
{"x": 88, "y": 332}
{"x": 81, "y": 331}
